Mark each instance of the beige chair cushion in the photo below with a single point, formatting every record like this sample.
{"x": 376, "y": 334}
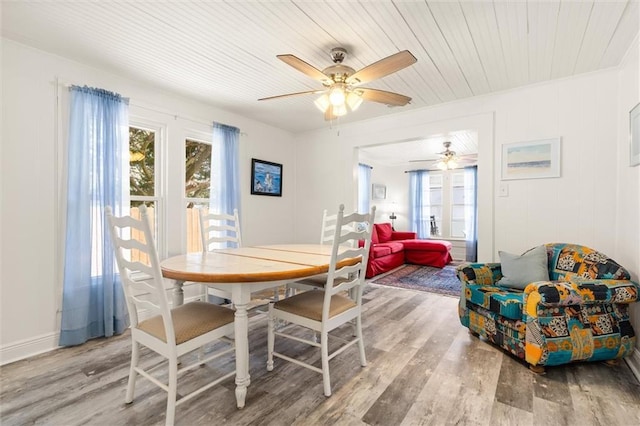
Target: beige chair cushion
{"x": 320, "y": 280}
{"x": 189, "y": 321}
{"x": 309, "y": 304}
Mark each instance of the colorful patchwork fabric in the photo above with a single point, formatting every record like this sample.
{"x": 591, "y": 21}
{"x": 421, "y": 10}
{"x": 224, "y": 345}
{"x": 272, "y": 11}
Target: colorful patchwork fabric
{"x": 500, "y": 300}
{"x": 562, "y": 334}
{"x": 580, "y": 314}
{"x": 506, "y": 333}
{"x": 569, "y": 261}
{"x": 479, "y": 273}
{"x": 583, "y": 292}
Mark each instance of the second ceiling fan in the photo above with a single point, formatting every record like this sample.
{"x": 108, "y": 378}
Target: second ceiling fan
{"x": 341, "y": 83}
{"x": 449, "y": 159}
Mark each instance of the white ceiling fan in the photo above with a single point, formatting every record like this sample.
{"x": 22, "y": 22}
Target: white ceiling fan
{"x": 449, "y": 160}
{"x": 341, "y": 83}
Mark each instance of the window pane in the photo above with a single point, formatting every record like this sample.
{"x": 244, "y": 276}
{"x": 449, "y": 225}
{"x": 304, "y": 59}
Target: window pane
{"x": 435, "y": 197}
{"x": 457, "y": 229}
{"x": 137, "y": 235}
{"x": 457, "y": 195}
{"x": 457, "y": 179}
{"x": 435, "y": 180}
{"x": 194, "y": 241}
{"x": 457, "y": 213}
{"x": 198, "y": 169}
{"x": 142, "y": 159}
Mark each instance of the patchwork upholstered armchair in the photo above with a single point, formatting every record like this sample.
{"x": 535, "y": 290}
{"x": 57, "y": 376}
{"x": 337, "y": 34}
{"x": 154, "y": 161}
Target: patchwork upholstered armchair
{"x": 579, "y": 314}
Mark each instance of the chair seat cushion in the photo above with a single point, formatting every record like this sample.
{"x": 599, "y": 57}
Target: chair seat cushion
{"x": 309, "y": 304}
{"x": 502, "y": 301}
{"x": 189, "y": 321}
{"x": 320, "y": 280}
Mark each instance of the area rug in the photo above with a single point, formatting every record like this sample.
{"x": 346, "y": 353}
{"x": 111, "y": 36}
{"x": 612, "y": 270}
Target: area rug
{"x": 424, "y": 278}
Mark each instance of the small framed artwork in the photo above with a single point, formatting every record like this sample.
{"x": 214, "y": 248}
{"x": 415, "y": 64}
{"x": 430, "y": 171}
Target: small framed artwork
{"x": 531, "y": 160}
{"x": 634, "y": 136}
{"x": 266, "y": 178}
{"x": 379, "y": 191}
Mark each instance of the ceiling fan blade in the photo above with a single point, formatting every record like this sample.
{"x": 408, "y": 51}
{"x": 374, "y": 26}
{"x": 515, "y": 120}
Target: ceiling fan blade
{"x": 303, "y": 67}
{"x": 383, "y": 67}
{"x": 383, "y": 96}
{"x": 308, "y": 92}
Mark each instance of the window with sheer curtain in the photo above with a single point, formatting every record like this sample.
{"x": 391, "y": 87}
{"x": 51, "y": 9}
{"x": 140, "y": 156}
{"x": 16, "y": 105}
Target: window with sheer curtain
{"x": 93, "y": 302}
{"x": 443, "y": 204}
{"x": 211, "y": 179}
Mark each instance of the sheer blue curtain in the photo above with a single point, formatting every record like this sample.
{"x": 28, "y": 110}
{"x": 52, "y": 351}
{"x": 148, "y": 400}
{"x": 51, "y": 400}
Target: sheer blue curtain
{"x": 471, "y": 212}
{"x": 364, "y": 187}
{"x": 419, "y": 202}
{"x": 98, "y": 176}
{"x": 225, "y": 169}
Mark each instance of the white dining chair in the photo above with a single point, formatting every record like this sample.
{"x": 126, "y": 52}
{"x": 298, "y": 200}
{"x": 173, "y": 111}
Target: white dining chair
{"x": 218, "y": 230}
{"x": 327, "y": 234}
{"x": 340, "y": 303}
{"x": 170, "y": 333}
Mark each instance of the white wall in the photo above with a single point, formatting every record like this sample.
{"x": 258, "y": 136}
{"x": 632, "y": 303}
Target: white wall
{"x": 594, "y": 202}
{"x": 397, "y": 194}
{"x": 32, "y": 158}
{"x": 627, "y": 221}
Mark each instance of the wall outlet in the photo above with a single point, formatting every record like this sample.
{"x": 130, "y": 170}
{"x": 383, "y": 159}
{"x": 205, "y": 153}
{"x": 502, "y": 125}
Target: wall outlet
{"x": 503, "y": 191}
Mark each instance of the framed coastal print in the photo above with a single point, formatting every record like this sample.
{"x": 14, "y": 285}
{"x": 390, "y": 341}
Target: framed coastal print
{"x": 634, "y": 136}
{"x": 531, "y": 160}
{"x": 379, "y": 191}
{"x": 266, "y": 178}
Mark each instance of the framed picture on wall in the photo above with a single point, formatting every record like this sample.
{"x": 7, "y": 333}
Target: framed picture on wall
{"x": 531, "y": 159}
{"x": 634, "y": 136}
{"x": 379, "y": 191}
{"x": 266, "y": 178}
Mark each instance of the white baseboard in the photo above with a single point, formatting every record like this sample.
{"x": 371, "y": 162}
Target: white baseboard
{"x": 29, "y": 347}
{"x": 633, "y": 362}
{"x": 46, "y": 342}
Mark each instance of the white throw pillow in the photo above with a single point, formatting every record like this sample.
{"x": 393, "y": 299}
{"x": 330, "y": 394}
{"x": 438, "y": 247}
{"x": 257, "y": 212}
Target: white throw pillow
{"x": 519, "y": 271}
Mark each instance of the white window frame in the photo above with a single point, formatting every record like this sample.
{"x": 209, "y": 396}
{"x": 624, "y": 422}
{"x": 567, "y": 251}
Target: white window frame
{"x": 444, "y": 223}
{"x": 199, "y": 137}
{"x": 159, "y": 182}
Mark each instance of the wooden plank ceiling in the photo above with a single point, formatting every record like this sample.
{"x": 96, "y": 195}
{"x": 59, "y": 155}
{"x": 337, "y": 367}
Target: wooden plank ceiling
{"x": 224, "y": 54}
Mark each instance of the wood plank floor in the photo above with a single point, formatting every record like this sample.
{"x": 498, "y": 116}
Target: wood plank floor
{"x": 424, "y": 368}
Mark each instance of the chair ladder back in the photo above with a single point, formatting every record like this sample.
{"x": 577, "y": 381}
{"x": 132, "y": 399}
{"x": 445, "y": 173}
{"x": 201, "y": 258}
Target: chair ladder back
{"x": 345, "y": 246}
{"x": 143, "y": 284}
{"x": 328, "y": 231}
{"x": 219, "y": 228}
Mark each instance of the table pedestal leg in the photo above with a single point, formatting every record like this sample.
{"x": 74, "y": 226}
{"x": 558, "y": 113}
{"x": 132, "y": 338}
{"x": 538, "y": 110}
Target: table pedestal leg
{"x": 241, "y": 302}
{"x": 178, "y": 294}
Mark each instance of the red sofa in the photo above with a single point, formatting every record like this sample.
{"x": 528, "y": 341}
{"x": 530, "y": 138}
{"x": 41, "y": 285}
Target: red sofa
{"x": 390, "y": 249}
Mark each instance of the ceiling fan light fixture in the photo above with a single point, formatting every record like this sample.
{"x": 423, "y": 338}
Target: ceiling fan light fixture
{"x": 441, "y": 165}
{"x": 323, "y": 103}
{"x": 339, "y": 110}
{"x": 336, "y": 95}
{"x": 354, "y": 101}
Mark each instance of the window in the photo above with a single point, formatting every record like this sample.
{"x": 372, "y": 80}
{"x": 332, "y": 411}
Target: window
{"x": 144, "y": 178}
{"x": 457, "y": 223}
{"x": 450, "y": 198}
{"x": 197, "y": 188}
{"x": 436, "y": 200}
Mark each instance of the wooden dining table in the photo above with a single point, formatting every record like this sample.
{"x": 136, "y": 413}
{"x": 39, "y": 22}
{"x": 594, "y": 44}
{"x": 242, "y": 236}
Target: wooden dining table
{"x": 241, "y": 272}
